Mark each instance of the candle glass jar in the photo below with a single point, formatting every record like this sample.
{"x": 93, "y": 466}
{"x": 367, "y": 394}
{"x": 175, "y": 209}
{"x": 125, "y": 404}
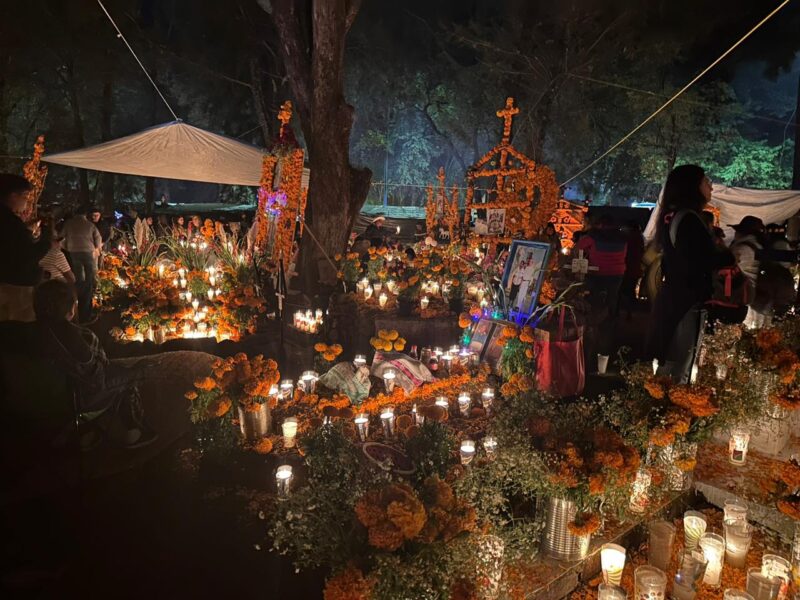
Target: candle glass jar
{"x": 773, "y": 565}
{"x": 735, "y": 511}
{"x": 490, "y": 445}
{"x": 734, "y": 594}
{"x": 713, "y": 547}
{"x": 360, "y": 361}
{"x": 738, "y": 536}
{"x": 693, "y": 564}
{"x": 694, "y": 526}
{"x": 607, "y": 591}
{"x": 612, "y": 562}
{"x": 308, "y": 381}
{"x": 639, "y": 493}
{"x": 487, "y": 399}
{"x": 464, "y": 403}
{"x": 283, "y": 481}
{"x": 389, "y": 377}
{"x": 289, "y": 429}
{"x": 662, "y": 536}
{"x": 762, "y": 587}
{"x": 650, "y": 583}
{"x": 362, "y": 426}
{"x": 467, "y": 451}
{"x": 287, "y": 388}
{"x": 737, "y": 447}
{"x": 388, "y": 422}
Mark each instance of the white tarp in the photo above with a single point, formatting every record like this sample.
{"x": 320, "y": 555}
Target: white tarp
{"x": 172, "y": 151}
{"x": 735, "y": 203}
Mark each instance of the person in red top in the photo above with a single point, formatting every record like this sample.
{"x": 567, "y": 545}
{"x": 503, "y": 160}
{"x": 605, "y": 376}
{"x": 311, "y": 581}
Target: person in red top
{"x": 605, "y": 247}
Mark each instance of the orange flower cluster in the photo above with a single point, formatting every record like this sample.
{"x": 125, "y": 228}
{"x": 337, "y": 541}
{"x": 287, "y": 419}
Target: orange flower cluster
{"x": 790, "y": 507}
{"x": 208, "y": 229}
{"x": 517, "y": 384}
{"x": 392, "y": 515}
{"x": 35, "y": 172}
{"x": 789, "y": 398}
{"x": 263, "y": 446}
{"x": 464, "y": 320}
{"x": 584, "y": 524}
{"x": 328, "y": 353}
{"x": 697, "y": 400}
{"x": 291, "y": 185}
{"x": 675, "y": 423}
{"x": 388, "y": 340}
{"x": 261, "y": 222}
{"x": 347, "y": 584}
{"x": 448, "y": 516}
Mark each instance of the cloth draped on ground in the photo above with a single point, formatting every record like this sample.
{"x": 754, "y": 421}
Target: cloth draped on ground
{"x": 735, "y": 203}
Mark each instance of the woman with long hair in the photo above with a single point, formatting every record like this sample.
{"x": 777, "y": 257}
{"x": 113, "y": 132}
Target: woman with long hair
{"x": 689, "y": 260}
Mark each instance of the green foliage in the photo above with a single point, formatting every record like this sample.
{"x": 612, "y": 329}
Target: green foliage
{"x": 431, "y": 449}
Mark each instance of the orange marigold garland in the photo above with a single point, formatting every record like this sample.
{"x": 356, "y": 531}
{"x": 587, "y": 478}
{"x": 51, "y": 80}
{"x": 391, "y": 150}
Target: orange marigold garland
{"x": 35, "y": 172}
{"x": 347, "y": 584}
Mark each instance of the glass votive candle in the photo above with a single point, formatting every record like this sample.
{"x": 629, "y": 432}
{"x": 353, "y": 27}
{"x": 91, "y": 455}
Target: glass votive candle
{"x": 735, "y": 510}
{"x": 606, "y": 591}
{"x": 389, "y": 377}
{"x": 487, "y": 399}
{"x": 368, "y": 292}
{"x": 423, "y": 302}
{"x": 693, "y": 564}
{"x": 738, "y": 536}
{"x": 713, "y": 547}
{"x": 188, "y": 296}
{"x": 464, "y": 403}
{"x": 210, "y": 294}
{"x": 762, "y": 587}
{"x": 287, "y": 388}
{"x": 737, "y": 447}
{"x": 662, "y": 536}
{"x": 289, "y": 429}
{"x": 383, "y": 299}
{"x": 773, "y": 565}
{"x": 377, "y": 286}
{"x": 443, "y": 402}
{"x": 275, "y": 392}
{"x": 362, "y": 426}
{"x": 683, "y": 587}
{"x": 722, "y": 373}
{"x": 694, "y": 526}
{"x": 650, "y": 583}
{"x": 612, "y": 562}
{"x": 490, "y": 445}
{"x": 438, "y": 351}
{"x": 360, "y": 361}
{"x": 283, "y": 481}
{"x": 467, "y": 451}
{"x": 388, "y": 421}
{"x": 734, "y": 594}
{"x": 308, "y": 381}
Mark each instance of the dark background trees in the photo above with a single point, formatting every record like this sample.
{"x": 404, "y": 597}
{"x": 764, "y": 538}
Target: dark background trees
{"x": 424, "y": 79}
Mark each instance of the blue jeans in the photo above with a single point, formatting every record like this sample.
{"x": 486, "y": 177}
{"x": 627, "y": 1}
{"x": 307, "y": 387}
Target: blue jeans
{"x": 84, "y": 267}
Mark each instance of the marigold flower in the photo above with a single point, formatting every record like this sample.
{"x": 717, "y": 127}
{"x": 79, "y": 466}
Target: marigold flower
{"x": 190, "y": 395}
{"x": 264, "y": 446}
{"x": 205, "y": 383}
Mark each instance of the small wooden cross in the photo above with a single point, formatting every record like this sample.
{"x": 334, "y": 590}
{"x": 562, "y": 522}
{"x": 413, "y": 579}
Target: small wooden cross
{"x": 285, "y": 115}
{"x": 507, "y": 114}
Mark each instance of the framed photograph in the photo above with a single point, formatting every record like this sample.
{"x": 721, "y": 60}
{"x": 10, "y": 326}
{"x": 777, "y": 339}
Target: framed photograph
{"x": 495, "y": 221}
{"x": 483, "y": 331}
{"x": 484, "y": 340}
{"x": 523, "y": 276}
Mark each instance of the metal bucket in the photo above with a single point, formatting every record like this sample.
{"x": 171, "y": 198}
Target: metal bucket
{"x": 255, "y": 424}
{"x": 557, "y": 541}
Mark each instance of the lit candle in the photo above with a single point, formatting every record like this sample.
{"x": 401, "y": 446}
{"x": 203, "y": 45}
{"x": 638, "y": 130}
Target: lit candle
{"x": 378, "y": 286}
{"x": 182, "y": 273}
{"x": 183, "y": 283}
{"x": 308, "y": 381}
{"x": 738, "y": 446}
{"x": 195, "y": 302}
{"x": 388, "y": 421}
{"x": 447, "y": 362}
{"x": 202, "y": 327}
{"x": 650, "y": 583}
{"x": 210, "y": 294}
{"x": 464, "y": 402}
{"x": 738, "y": 536}
{"x": 360, "y": 361}
{"x": 161, "y": 270}
{"x": 655, "y": 365}
{"x": 467, "y": 451}
{"x": 212, "y": 281}
{"x": 287, "y": 388}
{"x": 389, "y": 377}
{"x": 722, "y": 373}
{"x": 275, "y": 392}
{"x": 368, "y": 292}
{"x": 188, "y": 296}
{"x": 713, "y": 547}
{"x": 612, "y": 561}
{"x": 390, "y": 285}
{"x": 438, "y": 351}
{"x": 289, "y": 427}
{"x": 693, "y": 377}
{"x": 487, "y": 399}
{"x": 490, "y": 445}
{"x": 694, "y": 526}
{"x": 773, "y": 565}
{"x": 423, "y": 302}
{"x": 217, "y": 292}
{"x": 383, "y": 299}
{"x": 443, "y": 402}
{"x": 283, "y": 481}
{"x": 175, "y": 282}
{"x": 362, "y": 426}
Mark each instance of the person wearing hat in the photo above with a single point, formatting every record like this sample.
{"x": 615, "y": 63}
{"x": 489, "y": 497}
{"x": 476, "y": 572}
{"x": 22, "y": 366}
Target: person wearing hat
{"x": 375, "y": 232}
{"x": 54, "y": 265}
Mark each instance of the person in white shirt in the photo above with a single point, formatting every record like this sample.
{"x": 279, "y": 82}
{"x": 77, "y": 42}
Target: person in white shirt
{"x": 54, "y": 264}
{"x": 747, "y": 242}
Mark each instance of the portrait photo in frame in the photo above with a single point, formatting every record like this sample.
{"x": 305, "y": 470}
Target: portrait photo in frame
{"x": 523, "y": 276}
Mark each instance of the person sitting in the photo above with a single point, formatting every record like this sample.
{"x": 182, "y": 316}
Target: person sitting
{"x": 375, "y": 232}
{"x": 103, "y": 387}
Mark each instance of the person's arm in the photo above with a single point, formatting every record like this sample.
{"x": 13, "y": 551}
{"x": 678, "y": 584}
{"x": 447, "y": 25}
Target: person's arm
{"x": 63, "y": 266}
{"x": 97, "y": 239}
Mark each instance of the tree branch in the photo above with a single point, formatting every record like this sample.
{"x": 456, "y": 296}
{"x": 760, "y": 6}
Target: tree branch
{"x": 353, "y": 6}
{"x": 296, "y": 57}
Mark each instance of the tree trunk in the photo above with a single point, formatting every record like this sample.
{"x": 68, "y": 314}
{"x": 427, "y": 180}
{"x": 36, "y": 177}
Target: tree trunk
{"x": 260, "y": 103}
{"x": 312, "y": 44}
{"x": 107, "y": 179}
{"x": 796, "y": 164}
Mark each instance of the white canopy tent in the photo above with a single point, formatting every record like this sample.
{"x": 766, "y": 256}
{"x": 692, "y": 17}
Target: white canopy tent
{"x": 173, "y": 151}
{"x": 735, "y": 203}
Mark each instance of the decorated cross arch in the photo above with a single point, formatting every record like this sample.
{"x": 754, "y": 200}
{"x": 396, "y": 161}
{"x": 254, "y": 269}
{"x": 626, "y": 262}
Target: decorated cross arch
{"x": 281, "y": 197}
{"x": 527, "y": 192}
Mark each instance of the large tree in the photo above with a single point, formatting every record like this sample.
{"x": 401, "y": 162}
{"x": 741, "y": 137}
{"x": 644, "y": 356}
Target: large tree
{"x": 312, "y": 41}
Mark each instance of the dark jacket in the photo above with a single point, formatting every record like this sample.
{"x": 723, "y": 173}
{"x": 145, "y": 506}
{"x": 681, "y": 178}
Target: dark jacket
{"x": 19, "y": 253}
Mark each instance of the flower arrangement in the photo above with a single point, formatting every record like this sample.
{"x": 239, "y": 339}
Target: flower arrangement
{"x": 349, "y": 268}
{"x": 388, "y": 341}
{"x": 326, "y": 355}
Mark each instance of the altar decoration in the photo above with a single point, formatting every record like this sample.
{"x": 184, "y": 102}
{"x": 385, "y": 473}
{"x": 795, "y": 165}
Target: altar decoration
{"x": 440, "y": 207}
{"x": 35, "y": 173}
{"x": 526, "y": 191}
{"x": 568, "y": 218}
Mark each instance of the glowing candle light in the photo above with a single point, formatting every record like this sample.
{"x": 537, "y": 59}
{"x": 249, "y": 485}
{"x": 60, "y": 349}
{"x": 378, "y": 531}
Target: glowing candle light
{"x": 612, "y": 562}
{"x": 423, "y": 302}
{"x": 175, "y": 282}
{"x": 362, "y": 426}
{"x": 383, "y": 299}
{"x": 283, "y": 480}
{"x": 210, "y": 294}
{"x": 287, "y": 388}
{"x": 738, "y": 536}
{"x": 360, "y": 361}
{"x": 443, "y": 402}
{"x": 388, "y": 421}
{"x": 467, "y": 451}
{"x": 735, "y": 511}
{"x": 161, "y": 270}
{"x": 188, "y": 296}
{"x": 389, "y": 377}
{"x": 737, "y": 446}
{"x": 773, "y": 565}
{"x": 377, "y": 286}
{"x": 713, "y": 547}
{"x": 650, "y": 583}
{"x": 487, "y": 399}
{"x": 182, "y": 273}
{"x": 655, "y": 365}
{"x": 195, "y": 302}
{"x": 490, "y": 445}
{"x": 308, "y": 381}
{"x": 289, "y": 428}
{"x": 368, "y": 292}
{"x": 464, "y": 403}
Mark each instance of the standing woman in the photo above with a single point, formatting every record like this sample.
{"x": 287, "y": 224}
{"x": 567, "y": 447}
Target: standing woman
{"x": 689, "y": 259}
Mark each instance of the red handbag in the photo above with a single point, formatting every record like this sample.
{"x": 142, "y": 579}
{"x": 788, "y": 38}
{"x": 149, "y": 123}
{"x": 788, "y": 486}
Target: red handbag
{"x": 561, "y": 369}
